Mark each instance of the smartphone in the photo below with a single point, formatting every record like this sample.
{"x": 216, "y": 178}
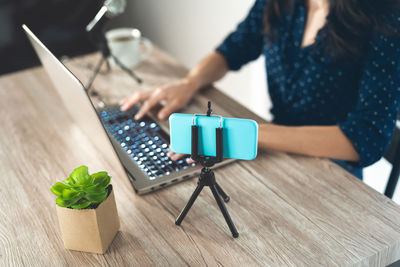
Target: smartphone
{"x": 239, "y": 135}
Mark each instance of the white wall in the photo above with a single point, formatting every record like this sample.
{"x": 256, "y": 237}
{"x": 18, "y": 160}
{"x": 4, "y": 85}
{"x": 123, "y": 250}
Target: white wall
{"x": 189, "y": 30}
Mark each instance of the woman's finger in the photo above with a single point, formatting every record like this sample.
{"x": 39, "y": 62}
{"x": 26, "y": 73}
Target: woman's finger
{"x": 190, "y": 161}
{"x": 171, "y": 153}
{"x": 122, "y": 101}
{"x": 128, "y": 102}
{"x": 132, "y": 100}
{"x": 174, "y": 156}
{"x": 177, "y": 156}
{"x": 167, "y": 110}
{"x": 149, "y": 104}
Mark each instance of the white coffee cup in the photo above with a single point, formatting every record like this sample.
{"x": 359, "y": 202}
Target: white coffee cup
{"x": 126, "y": 45}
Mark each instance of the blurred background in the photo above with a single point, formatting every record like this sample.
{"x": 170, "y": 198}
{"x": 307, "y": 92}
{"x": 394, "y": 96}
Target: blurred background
{"x": 59, "y": 23}
{"x": 187, "y": 30}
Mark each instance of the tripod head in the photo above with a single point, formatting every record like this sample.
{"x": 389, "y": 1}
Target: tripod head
{"x": 209, "y": 110}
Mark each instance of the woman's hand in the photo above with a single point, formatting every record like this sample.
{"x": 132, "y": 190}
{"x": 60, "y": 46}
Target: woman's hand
{"x": 175, "y": 156}
{"x": 176, "y": 95}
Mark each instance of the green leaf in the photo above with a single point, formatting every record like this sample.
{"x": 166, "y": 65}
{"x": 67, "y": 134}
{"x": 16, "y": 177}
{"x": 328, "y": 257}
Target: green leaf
{"x": 101, "y": 199}
{"x": 76, "y": 189}
{"x": 101, "y": 178}
{"x": 80, "y": 175}
{"x": 97, "y": 197}
{"x": 58, "y": 188}
{"x": 68, "y": 194}
{"x": 81, "y": 204}
{"x": 93, "y": 188}
{"x": 99, "y": 175}
{"x": 62, "y": 203}
{"x": 106, "y": 182}
{"x": 69, "y": 182}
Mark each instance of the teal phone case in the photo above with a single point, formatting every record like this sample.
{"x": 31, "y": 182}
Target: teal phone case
{"x": 239, "y": 135}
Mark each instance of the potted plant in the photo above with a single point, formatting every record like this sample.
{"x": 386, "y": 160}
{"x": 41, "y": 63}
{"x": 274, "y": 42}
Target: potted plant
{"x": 86, "y": 210}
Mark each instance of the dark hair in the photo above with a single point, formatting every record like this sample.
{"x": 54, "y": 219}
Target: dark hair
{"x": 349, "y": 22}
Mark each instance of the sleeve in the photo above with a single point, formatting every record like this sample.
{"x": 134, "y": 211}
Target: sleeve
{"x": 371, "y": 124}
{"x": 246, "y": 42}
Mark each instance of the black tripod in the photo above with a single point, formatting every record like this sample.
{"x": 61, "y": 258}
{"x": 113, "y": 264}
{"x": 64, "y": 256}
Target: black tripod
{"x": 98, "y": 38}
{"x": 207, "y": 177}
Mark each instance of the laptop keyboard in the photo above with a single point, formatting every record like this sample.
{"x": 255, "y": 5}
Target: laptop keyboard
{"x": 144, "y": 141}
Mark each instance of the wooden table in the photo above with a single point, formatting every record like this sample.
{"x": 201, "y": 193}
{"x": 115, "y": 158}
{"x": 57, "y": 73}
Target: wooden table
{"x": 289, "y": 210}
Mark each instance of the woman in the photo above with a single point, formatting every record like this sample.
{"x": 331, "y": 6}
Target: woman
{"x": 333, "y": 76}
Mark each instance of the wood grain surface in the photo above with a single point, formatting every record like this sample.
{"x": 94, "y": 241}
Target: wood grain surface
{"x": 289, "y": 209}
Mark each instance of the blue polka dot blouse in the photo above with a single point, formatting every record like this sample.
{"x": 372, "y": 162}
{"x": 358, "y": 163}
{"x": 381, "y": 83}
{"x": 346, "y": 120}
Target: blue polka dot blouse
{"x": 308, "y": 86}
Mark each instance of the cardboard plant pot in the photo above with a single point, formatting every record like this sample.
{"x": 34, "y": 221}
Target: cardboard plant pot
{"x": 89, "y": 230}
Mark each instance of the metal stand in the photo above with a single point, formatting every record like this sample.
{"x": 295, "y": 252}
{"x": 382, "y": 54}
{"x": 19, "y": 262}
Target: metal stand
{"x": 207, "y": 177}
{"x": 98, "y": 38}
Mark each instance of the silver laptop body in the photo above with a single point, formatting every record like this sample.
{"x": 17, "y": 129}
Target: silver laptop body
{"x": 74, "y": 95}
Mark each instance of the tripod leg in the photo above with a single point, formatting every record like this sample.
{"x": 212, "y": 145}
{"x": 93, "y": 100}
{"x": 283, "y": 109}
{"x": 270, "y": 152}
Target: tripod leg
{"x": 126, "y": 69}
{"x": 95, "y": 72}
{"x": 108, "y": 67}
{"x": 222, "y": 193}
{"x": 189, "y": 204}
{"x": 224, "y": 211}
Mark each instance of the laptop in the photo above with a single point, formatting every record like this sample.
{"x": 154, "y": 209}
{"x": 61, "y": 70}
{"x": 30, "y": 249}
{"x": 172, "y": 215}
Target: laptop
{"x": 140, "y": 146}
